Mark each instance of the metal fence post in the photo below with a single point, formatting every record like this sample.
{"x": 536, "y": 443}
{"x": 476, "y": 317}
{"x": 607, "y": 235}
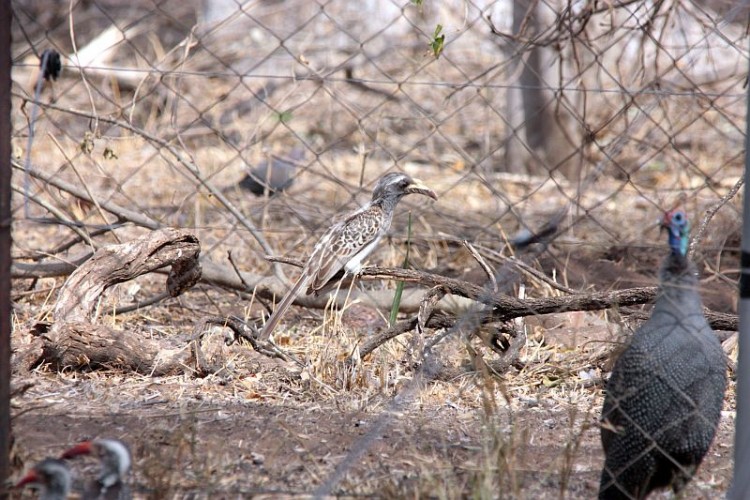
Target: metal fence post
{"x": 5, "y": 242}
{"x": 741, "y": 475}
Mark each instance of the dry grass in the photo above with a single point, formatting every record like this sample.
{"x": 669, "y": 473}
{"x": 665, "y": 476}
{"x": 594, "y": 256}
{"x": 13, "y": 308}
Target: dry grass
{"x": 531, "y": 432}
{"x": 260, "y": 427}
{"x": 256, "y": 427}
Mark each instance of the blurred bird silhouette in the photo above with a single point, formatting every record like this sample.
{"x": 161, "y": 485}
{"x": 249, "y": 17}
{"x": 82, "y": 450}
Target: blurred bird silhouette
{"x": 272, "y": 175}
{"x": 114, "y": 459}
{"x": 51, "y": 477}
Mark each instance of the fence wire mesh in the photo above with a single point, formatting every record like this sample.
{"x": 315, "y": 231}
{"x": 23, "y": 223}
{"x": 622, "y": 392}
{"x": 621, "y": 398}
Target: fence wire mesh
{"x": 556, "y": 134}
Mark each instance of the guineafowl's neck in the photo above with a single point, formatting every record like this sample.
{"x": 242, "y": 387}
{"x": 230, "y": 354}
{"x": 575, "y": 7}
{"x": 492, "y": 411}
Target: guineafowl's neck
{"x": 679, "y": 283}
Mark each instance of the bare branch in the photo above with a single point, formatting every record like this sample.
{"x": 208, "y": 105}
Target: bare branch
{"x": 711, "y": 211}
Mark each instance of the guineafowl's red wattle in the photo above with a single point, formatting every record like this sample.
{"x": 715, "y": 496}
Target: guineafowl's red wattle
{"x": 664, "y": 397}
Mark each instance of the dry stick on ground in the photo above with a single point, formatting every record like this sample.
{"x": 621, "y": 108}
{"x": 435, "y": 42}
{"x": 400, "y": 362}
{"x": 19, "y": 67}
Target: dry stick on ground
{"x": 75, "y": 340}
{"x": 506, "y": 308}
{"x": 246, "y": 332}
{"x": 483, "y": 264}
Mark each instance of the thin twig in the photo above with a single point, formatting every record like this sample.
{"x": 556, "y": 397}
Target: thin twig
{"x": 482, "y": 263}
{"x": 285, "y": 260}
{"x": 60, "y": 217}
{"x": 141, "y": 304}
{"x": 122, "y": 213}
{"x": 93, "y": 115}
{"x": 66, "y": 245}
{"x": 249, "y": 333}
{"x": 48, "y": 269}
{"x": 192, "y": 168}
{"x": 711, "y": 211}
{"x": 534, "y": 273}
{"x": 237, "y": 271}
{"x": 83, "y": 182}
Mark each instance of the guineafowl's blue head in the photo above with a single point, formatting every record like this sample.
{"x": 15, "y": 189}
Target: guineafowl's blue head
{"x": 677, "y": 225}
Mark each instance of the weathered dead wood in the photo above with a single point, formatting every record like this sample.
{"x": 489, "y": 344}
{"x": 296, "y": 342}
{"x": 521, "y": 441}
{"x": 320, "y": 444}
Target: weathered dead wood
{"x": 84, "y": 288}
{"x": 505, "y": 308}
{"x": 75, "y": 340}
{"x": 248, "y": 333}
{"x": 90, "y": 346}
{"x": 85, "y": 345}
{"x": 115, "y": 264}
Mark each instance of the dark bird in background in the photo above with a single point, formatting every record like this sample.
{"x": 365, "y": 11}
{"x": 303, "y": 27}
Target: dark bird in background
{"x": 346, "y": 244}
{"x": 51, "y": 477}
{"x": 50, "y": 64}
{"x": 663, "y": 400}
{"x": 274, "y": 174}
{"x": 548, "y": 232}
{"x": 114, "y": 459}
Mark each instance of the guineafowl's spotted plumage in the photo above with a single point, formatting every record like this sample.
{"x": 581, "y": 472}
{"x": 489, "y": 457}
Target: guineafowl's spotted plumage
{"x": 663, "y": 400}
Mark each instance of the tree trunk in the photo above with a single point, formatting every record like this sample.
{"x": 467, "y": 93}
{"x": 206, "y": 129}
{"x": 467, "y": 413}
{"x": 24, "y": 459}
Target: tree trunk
{"x": 545, "y": 134}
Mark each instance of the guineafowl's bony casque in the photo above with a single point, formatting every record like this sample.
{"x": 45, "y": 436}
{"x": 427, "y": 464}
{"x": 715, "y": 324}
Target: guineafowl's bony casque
{"x": 663, "y": 400}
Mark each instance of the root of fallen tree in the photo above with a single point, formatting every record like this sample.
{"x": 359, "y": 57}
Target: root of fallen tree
{"x": 76, "y": 340}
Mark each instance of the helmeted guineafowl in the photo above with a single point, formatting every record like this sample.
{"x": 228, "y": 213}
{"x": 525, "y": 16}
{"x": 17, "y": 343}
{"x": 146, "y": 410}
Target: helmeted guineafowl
{"x": 663, "y": 400}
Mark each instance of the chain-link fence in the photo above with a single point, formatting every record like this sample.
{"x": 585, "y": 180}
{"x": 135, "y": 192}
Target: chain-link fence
{"x": 555, "y": 134}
